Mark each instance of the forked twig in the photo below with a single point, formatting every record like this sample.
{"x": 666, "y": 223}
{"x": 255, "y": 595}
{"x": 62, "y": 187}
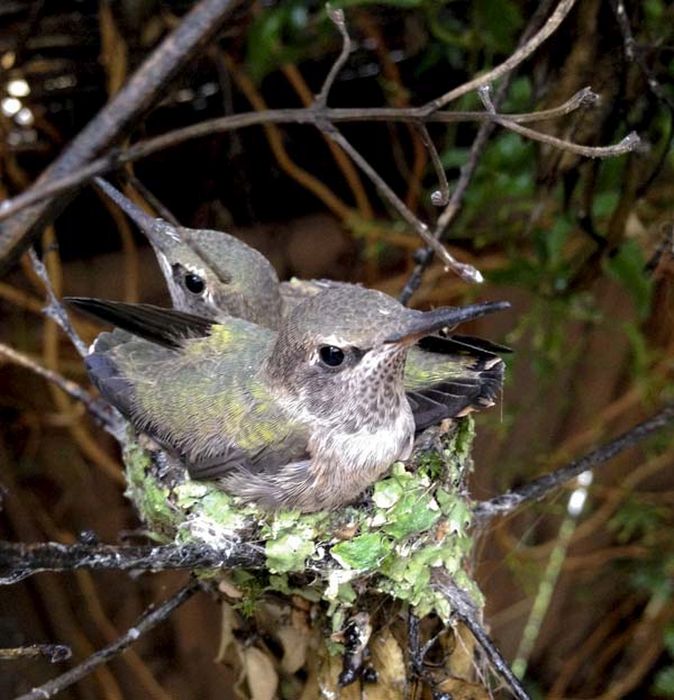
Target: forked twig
{"x": 55, "y": 309}
{"x": 465, "y": 271}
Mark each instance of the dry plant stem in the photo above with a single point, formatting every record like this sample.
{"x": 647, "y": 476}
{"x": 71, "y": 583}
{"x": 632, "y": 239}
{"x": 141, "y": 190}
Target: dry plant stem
{"x": 465, "y": 610}
{"x": 55, "y": 597}
{"x": 451, "y": 211}
{"x": 119, "y": 115}
{"x": 98, "y": 409}
{"x": 19, "y": 560}
{"x": 541, "y": 487}
{"x": 55, "y": 309}
{"x": 440, "y": 197}
{"x": 55, "y": 653}
{"x": 150, "y": 618}
{"x": 465, "y": 271}
{"x": 276, "y": 143}
{"x": 522, "y": 53}
{"x": 115, "y": 158}
{"x": 346, "y": 167}
{"x": 337, "y": 18}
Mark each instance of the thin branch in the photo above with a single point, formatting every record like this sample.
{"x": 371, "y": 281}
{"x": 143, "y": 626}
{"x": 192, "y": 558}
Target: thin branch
{"x": 55, "y": 309}
{"x": 99, "y": 409}
{"x": 465, "y": 610}
{"x": 465, "y": 271}
{"x": 161, "y": 209}
{"x": 522, "y": 53}
{"x": 629, "y": 143}
{"x": 54, "y": 653}
{"x": 336, "y": 15}
{"x": 19, "y": 560}
{"x": 119, "y": 115}
{"x": 115, "y": 158}
{"x": 439, "y": 197}
{"x": 544, "y": 485}
{"x": 148, "y": 620}
{"x": 425, "y": 255}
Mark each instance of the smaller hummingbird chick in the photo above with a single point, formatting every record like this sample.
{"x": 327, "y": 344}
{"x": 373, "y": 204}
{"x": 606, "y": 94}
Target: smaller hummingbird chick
{"x": 306, "y": 417}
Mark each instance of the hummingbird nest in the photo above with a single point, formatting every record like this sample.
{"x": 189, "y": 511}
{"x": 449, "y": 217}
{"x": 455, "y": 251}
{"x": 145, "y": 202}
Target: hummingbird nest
{"x": 415, "y": 519}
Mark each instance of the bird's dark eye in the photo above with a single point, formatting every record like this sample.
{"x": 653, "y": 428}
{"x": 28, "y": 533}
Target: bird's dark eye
{"x": 331, "y": 355}
{"x": 194, "y": 283}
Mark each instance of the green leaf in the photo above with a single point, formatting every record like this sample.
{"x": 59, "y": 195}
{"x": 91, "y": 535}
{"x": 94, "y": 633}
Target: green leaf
{"x": 627, "y": 267}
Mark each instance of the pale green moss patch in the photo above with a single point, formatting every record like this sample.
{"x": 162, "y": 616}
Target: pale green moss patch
{"x": 415, "y": 519}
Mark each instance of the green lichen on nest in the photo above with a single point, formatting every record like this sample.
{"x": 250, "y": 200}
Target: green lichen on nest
{"x": 416, "y": 518}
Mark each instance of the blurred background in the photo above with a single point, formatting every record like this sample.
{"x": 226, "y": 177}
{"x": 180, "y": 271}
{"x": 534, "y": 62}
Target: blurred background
{"x": 582, "y": 248}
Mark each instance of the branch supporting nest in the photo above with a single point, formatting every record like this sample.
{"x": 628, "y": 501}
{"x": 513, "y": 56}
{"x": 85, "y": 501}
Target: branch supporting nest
{"x": 20, "y": 560}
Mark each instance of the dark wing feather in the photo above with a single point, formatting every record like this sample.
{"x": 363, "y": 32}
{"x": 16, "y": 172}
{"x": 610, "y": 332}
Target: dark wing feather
{"x": 462, "y": 344}
{"x": 166, "y": 327}
{"x": 456, "y": 397}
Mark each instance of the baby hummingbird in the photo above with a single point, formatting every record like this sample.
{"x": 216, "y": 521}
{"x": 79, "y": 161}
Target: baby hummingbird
{"x": 217, "y": 276}
{"x": 304, "y": 418}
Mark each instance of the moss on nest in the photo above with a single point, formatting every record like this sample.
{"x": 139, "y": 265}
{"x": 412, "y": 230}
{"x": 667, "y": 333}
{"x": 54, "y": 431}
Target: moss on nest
{"x": 414, "y": 519}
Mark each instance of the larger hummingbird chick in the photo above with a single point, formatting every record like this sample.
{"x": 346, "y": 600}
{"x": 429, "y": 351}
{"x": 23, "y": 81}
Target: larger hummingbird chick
{"x": 303, "y": 418}
{"x": 217, "y": 276}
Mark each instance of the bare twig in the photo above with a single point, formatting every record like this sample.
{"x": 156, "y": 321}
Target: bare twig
{"x": 19, "y": 560}
{"x": 54, "y": 653}
{"x": 336, "y": 15}
{"x": 451, "y": 211}
{"x": 439, "y": 197}
{"x": 541, "y": 487}
{"x": 466, "y": 611}
{"x": 99, "y": 409}
{"x": 465, "y": 271}
{"x": 119, "y": 115}
{"x": 149, "y": 619}
{"x": 629, "y": 143}
{"x": 115, "y": 158}
{"x": 161, "y": 209}
{"x": 55, "y": 309}
{"x": 514, "y": 60}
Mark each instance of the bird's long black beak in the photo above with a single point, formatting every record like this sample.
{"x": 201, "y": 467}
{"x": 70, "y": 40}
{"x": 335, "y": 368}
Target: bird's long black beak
{"x": 159, "y": 232}
{"x": 422, "y": 323}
